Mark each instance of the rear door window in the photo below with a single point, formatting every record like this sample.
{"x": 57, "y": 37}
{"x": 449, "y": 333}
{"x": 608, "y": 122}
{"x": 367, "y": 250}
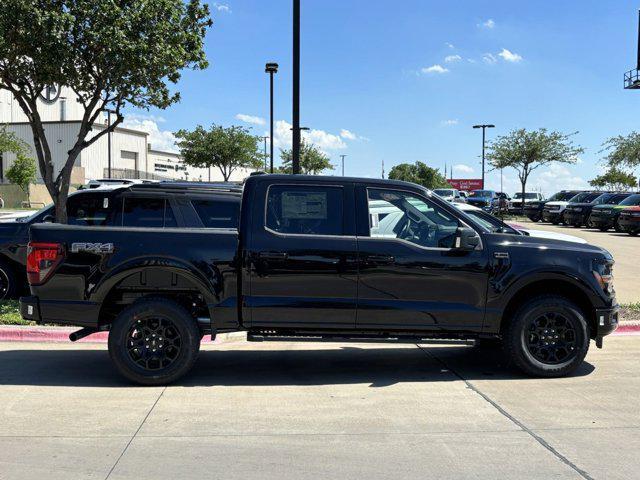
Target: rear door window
{"x": 147, "y": 212}
{"x": 89, "y": 210}
{"x": 217, "y": 213}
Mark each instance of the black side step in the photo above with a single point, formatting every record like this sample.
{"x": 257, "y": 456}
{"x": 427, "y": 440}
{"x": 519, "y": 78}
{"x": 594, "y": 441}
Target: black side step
{"x": 257, "y": 337}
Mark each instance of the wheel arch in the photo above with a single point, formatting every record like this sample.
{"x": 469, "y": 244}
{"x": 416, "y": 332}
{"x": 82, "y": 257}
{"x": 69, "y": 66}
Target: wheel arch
{"x": 557, "y": 285}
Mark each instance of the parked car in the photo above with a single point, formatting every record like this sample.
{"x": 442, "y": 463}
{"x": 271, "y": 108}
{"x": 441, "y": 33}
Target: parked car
{"x": 578, "y": 213}
{"x": 629, "y": 220}
{"x": 604, "y": 217}
{"x": 553, "y": 212}
{"x": 450, "y": 195}
{"x": 515, "y": 204}
{"x": 305, "y": 263}
{"x": 494, "y": 223}
{"x": 533, "y": 210}
{"x": 160, "y": 204}
{"x": 487, "y": 200}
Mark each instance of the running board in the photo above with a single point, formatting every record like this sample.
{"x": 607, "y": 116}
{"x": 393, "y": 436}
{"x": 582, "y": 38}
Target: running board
{"x": 256, "y": 337}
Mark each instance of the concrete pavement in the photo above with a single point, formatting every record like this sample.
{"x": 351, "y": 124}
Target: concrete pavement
{"x": 304, "y": 410}
{"x": 622, "y": 246}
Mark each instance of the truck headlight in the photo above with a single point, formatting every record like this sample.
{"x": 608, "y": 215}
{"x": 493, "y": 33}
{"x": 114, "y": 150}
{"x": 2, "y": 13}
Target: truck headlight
{"x": 603, "y": 273}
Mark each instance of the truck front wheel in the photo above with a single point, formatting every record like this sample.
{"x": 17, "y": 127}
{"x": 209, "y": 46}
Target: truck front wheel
{"x": 547, "y": 337}
{"x": 154, "y": 341}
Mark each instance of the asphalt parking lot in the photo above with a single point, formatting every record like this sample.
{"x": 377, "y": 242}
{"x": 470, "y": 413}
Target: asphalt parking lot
{"x": 622, "y": 246}
{"x": 304, "y": 410}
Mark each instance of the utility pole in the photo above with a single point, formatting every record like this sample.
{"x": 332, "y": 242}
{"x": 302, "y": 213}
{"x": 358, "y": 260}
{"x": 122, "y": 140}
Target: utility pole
{"x": 383, "y": 169}
{"x": 483, "y": 127}
{"x": 295, "y": 163}
{"x": 342, "y": 157}
{"x": 271, "y": 68}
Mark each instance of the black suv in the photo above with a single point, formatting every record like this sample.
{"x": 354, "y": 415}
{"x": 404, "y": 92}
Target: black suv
{"x": 578, "y": 213}
{"x": 533, "y": 210}
{"x": 161, "y": 204}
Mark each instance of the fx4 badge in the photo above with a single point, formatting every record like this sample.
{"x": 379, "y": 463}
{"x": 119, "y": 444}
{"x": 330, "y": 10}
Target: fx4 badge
{"x": 92, "y": 247}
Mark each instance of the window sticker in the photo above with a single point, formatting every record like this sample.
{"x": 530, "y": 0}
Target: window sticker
{"x": 304, "y": 205}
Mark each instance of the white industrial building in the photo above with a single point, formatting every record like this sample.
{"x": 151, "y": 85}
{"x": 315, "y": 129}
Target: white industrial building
{"x": 132, "y": 154}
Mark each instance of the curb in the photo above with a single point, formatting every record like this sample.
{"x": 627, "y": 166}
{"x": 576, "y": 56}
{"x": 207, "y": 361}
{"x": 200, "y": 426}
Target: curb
{"x": 18, "y": 333}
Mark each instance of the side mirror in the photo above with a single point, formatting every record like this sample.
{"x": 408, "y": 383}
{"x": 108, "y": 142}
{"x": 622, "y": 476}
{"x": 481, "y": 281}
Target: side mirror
{"x": 48, "y": 219}
{"x": 467, "y": 239}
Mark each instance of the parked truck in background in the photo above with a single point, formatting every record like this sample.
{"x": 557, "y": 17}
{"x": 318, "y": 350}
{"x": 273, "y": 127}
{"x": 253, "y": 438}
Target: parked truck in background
{"x": 307, "y": 262}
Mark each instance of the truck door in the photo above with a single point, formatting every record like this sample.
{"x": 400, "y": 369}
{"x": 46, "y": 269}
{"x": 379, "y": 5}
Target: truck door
{"x": 302, "y": 256}
{"x": 411, "y": 275}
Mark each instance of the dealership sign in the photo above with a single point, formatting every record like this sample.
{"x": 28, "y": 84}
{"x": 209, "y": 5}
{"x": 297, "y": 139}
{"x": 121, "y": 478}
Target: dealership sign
{"x": 466, "y": 184}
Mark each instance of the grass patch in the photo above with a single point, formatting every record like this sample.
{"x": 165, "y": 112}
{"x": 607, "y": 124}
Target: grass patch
{"x": 10, "y": 314}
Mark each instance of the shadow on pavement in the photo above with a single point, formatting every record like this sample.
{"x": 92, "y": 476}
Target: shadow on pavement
{"x": 378, "y": 367}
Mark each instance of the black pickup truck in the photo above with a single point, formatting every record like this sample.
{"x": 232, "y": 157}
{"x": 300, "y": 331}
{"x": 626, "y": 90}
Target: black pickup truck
{"x": 311, "y": 261}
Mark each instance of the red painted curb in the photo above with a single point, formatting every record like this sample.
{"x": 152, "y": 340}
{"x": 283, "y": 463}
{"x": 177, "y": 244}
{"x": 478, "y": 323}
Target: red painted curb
{"x": 61, "y": 334}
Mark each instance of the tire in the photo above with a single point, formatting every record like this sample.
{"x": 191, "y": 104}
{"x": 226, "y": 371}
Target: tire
{"x": 555, "y": 222}
{"x": 163, "y": 350}
{"x": 617, "y": 227}
{"x": 603, "y": 229}
{"x": 567, "y": 336}
{"x": 633, "y": 233}
{"x": 534, "y": 218}
{"x": 8, "y": 281}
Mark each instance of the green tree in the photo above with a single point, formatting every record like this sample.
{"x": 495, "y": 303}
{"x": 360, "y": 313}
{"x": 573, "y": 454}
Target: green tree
{"x": 526, "y": 151}
{"x": 110, "y": 53}
{"x": 9, "y": 142}
{"x": 419, "y": 173}
{"x": 624, "y": 151}
{"x": 614, "y": 179}
{"x": 22, "y": 173}
{"x": 227, "y": 149}
{"x": 312, "y": 160}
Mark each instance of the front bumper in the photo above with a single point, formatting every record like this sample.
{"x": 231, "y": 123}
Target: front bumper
{"x": 573, "y": 218}
{"x": 629, "y": 224}
{"x": 598, "y": 221}
{"x": 80, "y": 313}
{"x": 552, "y": 216}
{"x": 606, "y": 320}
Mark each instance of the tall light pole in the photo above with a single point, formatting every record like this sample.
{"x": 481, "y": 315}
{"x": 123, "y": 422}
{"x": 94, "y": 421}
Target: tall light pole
{"x": 271, "y": 68}
{"x": 295, "y": 161}
{"x": 342, "y": 157}
{"x": 484, "y": 128}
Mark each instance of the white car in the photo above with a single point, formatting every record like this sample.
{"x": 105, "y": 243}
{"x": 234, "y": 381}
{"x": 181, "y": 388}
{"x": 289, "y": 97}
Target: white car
{"x": 515, "y": 204}
{"x": 491, "y": 222}
{"x": 450, "y": 195}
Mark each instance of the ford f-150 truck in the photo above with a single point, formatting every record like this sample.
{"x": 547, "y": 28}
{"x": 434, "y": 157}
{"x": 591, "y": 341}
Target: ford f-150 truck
{"x": 309, "y": 261}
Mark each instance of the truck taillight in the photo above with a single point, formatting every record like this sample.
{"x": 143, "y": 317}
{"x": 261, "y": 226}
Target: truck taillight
{"x": 42, "y": 259}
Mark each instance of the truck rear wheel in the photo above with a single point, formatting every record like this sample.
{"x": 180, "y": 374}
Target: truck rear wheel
{"x": 154, "y": 342}
{"x": 8, "y": 281}
{"x": 547, "y": 337}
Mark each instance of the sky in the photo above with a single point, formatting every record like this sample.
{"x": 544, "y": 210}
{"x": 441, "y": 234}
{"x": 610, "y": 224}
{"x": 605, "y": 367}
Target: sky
{"x": 405, "y": 81}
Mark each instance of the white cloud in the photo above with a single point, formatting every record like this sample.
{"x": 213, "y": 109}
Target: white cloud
{"x": 487, "y": 24}
{"x": 222, "y": 7}
{"x": 449, "y": 123}
{"x": 450, "y": 45}
{"x": 159, "y": 139}
{"x": 509, "y": 56}
{"x": 348, "y": 135}
{"x": 323, "y": 140}
{"x": 452, "y": 58}
{"x": 462, "y": 168}
{"x": 489, "y": 58}
{"x": 251, "y": 119}
{"x": 439, "y": 69}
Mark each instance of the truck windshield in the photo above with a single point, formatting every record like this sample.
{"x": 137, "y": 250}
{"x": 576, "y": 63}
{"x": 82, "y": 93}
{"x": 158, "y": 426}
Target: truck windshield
{"x": 527, "y": 195}
{"x": 631, "y": 201}
{"x": 482, "y": 193}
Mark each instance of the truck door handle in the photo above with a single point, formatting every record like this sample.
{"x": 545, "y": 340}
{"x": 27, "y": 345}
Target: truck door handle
{"x": 381, "y": 259}
{"x": 273, "y": 256}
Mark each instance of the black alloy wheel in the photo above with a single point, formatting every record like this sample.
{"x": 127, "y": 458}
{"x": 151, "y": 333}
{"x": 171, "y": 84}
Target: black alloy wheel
{"x": 551, "y": 338}
{"x": 155, "y": 341}
{"x": 547, "y": 337}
